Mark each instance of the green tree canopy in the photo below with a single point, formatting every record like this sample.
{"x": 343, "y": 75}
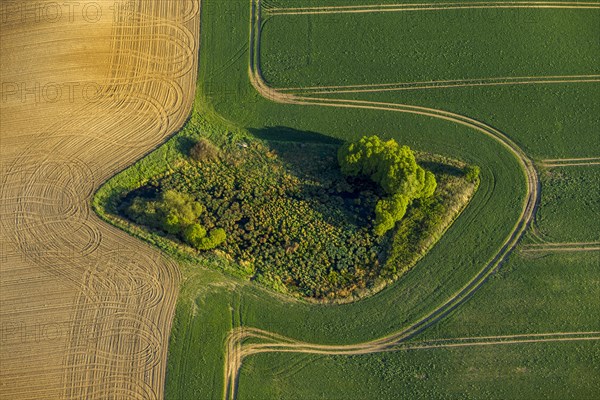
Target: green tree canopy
{"x": 178, "y": 210}
{"x": 176, "y": 213}
{"x": 212, "y": 240}
{"x": 194, "y": 234}
{"x": 395, "y": 169}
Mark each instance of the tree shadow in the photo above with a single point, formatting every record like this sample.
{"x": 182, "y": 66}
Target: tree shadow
{"x": 307, "y": 155}
{"x": 287, "y": 134}
{"x": 312, "y": 158}
{"x": 184, "y": 144}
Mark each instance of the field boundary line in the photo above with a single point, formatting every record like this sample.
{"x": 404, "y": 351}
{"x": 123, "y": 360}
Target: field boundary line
{"x": 503, "y": 340}
{"x": 436, "y": 343}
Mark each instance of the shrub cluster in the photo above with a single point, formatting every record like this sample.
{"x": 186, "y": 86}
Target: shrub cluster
{"x": 395, "y": 169}
{"x": 177, "y": 214}
{"x": 203, "y": 150}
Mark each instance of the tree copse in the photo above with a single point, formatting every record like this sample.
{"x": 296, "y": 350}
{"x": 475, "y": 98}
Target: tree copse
{"x": 395, "y": 169}
{"x": 176, "y": 213}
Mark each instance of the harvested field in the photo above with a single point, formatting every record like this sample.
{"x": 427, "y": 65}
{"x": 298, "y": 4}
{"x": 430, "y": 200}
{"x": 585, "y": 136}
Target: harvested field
{"x": 85, "y": 309}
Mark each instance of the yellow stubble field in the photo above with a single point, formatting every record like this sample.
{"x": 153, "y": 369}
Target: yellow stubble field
{"x": 87, "y": 88}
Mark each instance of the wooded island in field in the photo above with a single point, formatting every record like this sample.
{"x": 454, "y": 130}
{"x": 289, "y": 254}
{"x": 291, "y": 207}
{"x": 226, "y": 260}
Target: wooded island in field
{"x": 323, "y": 221}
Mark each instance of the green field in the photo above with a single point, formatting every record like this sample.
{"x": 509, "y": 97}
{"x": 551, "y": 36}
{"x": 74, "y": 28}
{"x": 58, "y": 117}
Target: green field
{"x": 530, "y": 294}
{"x": 547, "y": 121}
{"x": 417, "y": 46}
{"x": 529, "y": 371}
{"x": 567, "y": 212}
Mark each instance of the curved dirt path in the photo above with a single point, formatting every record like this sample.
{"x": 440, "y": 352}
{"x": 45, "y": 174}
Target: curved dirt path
{"x": 243, "y": 342}
{"x": 85, "y": 309}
